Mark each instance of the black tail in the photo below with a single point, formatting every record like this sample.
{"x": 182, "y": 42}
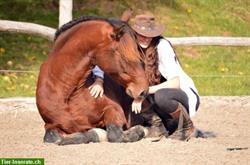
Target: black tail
{"x": 205, "y": 134}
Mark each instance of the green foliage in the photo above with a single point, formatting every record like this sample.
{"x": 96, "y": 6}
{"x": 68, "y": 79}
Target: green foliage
{"x": 43, "y": 12}
{"x": 216, "y": 70}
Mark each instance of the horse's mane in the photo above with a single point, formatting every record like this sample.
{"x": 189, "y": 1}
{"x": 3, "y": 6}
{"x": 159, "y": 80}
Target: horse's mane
{"x": 112, "y": 22}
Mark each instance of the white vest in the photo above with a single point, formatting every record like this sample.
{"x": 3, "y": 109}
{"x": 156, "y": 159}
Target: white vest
{"x": 169, "y": 67}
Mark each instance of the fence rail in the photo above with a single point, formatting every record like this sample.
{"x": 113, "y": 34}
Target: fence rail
{"x": 194, "y": 76}
{"x": 48, "y": 32}
{"x": 205, "y": 40}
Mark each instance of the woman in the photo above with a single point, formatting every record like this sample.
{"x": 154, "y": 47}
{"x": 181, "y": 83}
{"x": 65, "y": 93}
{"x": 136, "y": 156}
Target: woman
{"x": 171, "y": 90}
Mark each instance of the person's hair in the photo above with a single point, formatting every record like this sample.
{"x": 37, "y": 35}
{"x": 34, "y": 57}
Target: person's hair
{"x": 151, "y": 61}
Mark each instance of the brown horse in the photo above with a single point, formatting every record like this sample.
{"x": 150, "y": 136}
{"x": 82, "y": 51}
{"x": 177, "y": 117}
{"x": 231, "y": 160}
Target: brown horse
{"x": 62, "y": 96}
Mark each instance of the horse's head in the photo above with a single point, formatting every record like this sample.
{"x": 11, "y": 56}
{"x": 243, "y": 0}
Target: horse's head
{"x": 121, "y": 60}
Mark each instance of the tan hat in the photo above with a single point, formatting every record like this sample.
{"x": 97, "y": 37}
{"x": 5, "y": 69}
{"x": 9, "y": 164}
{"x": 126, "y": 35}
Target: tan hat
{"x": 145, "y": 25}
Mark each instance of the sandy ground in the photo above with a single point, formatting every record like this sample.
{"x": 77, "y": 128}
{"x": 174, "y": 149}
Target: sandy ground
{"x": 21, "y": 134}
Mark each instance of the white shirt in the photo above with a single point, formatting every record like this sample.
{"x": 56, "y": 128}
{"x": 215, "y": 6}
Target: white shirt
{"x": 98, "y": 72}
{"x": 169, "y": 68}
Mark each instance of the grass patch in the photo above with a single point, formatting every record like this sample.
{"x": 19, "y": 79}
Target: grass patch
{"x": 217, "y": 70}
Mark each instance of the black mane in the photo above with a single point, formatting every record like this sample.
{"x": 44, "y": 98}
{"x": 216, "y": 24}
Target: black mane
{"x": 113, "y": 22}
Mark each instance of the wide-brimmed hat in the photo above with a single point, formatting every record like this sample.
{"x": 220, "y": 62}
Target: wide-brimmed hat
{"x": 145, "y": 25}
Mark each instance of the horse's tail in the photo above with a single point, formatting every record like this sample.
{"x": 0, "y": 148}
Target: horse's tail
{"x": 205, "y": 134}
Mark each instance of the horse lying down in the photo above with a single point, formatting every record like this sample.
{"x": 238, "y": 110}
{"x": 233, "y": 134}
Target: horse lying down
{"x": 62, "y": 94}
{"x": 138, "y": 123}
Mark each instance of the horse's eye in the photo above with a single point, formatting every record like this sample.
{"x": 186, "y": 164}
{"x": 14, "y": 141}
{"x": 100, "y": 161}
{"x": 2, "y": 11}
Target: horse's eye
{"x": 125, "y": 72}
{"x": 114, "y": 49}
{"x": 142, "y": 63}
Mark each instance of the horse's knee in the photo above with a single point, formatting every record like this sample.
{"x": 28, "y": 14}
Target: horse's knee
{"x": 114, "y": 133}
{"x": 52, "y": 136}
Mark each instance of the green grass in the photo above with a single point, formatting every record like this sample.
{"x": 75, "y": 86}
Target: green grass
{"x": 23, "y": 53}
{"x": 216, "y": 70}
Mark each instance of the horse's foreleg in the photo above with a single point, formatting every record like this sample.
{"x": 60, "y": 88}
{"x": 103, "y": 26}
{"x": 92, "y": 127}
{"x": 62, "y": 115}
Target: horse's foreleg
{"x": 80, "y": 137}
{"x": 114, "y": 119}
{"x": 53, "y": 136}
{"x": 116, "y": 134}
{"x": 134, "y": 134}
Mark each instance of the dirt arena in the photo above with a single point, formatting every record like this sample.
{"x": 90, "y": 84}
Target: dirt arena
{"x": 21, "y": 134}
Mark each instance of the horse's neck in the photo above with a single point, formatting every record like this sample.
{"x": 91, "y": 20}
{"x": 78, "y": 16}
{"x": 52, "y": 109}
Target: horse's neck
{"x": 75, "y": 52}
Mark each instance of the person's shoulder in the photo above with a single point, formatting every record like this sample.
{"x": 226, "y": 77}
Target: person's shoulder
{"x": 163, "y": 43}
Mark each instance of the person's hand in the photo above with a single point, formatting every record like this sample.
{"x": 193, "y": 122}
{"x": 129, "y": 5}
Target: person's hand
{"x": 96, "y": 89}
{"x": 137, "y": 105}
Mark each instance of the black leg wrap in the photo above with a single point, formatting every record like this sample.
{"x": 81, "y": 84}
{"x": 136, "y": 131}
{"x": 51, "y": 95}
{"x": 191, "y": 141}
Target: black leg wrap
{"x": 93, "y": 136}
{"x": 78, "y": 138}
{"x": 114, "y": 133}
{"x": 52, "y": 136}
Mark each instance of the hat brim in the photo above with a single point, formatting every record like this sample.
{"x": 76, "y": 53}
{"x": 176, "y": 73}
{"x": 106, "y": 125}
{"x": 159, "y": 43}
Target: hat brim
{"x": 157, "y": 31}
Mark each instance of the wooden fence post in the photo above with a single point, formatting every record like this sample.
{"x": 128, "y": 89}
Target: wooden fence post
{"x": 65, "y": 11}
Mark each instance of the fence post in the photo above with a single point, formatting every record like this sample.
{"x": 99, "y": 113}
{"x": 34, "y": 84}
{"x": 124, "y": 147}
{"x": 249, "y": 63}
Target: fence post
{"x": 65, "y": 11}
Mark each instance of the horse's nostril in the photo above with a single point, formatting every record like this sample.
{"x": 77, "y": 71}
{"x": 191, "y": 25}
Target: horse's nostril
{"x": 129, "y": 92}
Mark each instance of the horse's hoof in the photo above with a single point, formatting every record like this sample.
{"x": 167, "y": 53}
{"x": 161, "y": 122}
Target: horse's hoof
{"x": 134, "y": 134}
{"x": 140, "y": 131}
{"x": 114, "y": 133}
{"x": 52, "y": 136}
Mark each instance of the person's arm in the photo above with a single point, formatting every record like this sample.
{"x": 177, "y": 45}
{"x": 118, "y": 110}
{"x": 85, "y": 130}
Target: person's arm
{"x": 97, "y": 72}
{"x": 96, "y": 89}
{"x": 172, "y": 83}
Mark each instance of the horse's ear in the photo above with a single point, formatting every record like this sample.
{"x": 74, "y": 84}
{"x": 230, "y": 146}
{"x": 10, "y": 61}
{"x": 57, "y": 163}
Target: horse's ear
{"x": 117, "y": 32}
{"x": 126, "y": 15}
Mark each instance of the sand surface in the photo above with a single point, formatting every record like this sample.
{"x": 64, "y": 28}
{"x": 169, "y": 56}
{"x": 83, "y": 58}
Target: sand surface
{"x": 21, "y": 134}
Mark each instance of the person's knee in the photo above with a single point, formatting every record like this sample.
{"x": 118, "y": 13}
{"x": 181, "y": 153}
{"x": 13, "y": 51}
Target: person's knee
{"x": 165, "y": 101}
{"x": 160, "y": 96}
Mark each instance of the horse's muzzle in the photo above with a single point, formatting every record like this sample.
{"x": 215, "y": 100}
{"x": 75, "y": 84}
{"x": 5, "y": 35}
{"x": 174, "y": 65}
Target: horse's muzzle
{"x": 143, "y": 95}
